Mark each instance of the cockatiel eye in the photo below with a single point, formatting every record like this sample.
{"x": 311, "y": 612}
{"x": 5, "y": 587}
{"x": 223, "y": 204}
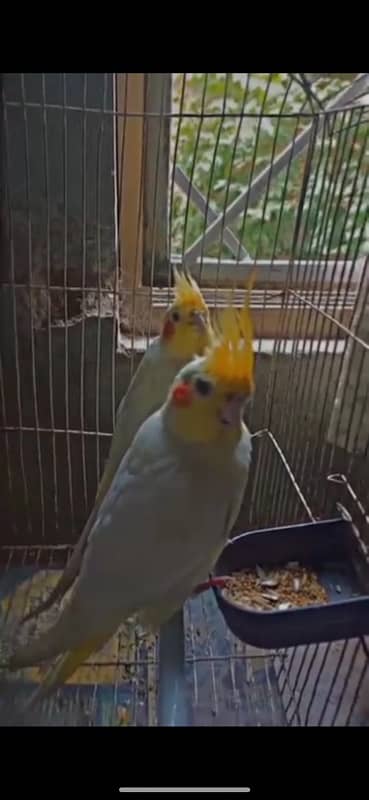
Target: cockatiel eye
{"x": 203, "y": 387}
{"x": 175, "y": 316}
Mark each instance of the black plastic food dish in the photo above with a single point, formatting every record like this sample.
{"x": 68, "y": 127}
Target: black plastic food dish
{"x": 332, "y": 549}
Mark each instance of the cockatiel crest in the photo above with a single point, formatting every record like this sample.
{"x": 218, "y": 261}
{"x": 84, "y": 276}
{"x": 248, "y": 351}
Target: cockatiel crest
{"x": 231, "y": 358}
{"x": 187, "y": 292}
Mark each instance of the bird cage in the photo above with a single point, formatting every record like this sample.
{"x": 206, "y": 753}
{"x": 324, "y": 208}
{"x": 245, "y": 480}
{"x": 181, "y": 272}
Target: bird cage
{"x": 108, "y": 182}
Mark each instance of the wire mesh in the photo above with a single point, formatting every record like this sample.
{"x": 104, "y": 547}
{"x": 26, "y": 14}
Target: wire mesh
{"x": 107, "y": 182}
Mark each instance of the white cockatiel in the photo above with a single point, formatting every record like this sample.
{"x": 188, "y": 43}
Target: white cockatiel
{"x": 185, "y": 333}
{"x": 168, "y": 512}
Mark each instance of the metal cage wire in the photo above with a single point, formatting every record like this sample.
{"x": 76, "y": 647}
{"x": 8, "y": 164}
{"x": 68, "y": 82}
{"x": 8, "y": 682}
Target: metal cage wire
{"x": 109, "y": 180}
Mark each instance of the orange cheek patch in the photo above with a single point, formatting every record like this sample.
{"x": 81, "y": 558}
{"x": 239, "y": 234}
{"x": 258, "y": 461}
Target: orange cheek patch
{"x": 168, "y": 329}
{"x": 182, "y": 395}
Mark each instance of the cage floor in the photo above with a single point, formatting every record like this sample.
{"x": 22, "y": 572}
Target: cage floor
{"x": 227, "y": 682}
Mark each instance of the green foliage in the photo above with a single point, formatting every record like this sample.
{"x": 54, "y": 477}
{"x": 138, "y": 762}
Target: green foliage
{"x": 231, "y": 127}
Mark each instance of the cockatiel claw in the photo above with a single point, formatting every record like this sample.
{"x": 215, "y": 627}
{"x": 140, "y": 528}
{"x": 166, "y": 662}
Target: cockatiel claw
{"x": 212, "y": 583}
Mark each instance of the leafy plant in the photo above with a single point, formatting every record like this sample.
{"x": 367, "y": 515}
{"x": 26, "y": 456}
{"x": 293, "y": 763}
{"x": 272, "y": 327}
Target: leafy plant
{"x": 231, "y": 127}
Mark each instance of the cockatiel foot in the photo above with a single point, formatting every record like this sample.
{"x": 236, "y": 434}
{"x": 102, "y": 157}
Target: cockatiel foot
{"x": 212, "y": 583}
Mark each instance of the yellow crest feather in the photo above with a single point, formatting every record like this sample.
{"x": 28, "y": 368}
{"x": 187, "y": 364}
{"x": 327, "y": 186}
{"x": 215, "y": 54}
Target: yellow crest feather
{"x": 187, "y": 292}
{"x": 231, "y": 358}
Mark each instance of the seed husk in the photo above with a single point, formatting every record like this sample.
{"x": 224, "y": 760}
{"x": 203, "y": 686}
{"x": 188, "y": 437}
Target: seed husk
{"x": 273, "y": 596}
{"x": 269, "y": 583}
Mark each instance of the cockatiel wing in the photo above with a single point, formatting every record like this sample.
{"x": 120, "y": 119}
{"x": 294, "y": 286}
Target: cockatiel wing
{"x": 154, "y": 616}
{"x": 146, "y": 393}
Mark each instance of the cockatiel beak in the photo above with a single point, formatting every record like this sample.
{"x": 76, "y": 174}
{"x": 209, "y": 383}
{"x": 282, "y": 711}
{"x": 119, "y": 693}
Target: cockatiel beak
{"x": 232, "y": 410}
{"x": 198, "y": 319}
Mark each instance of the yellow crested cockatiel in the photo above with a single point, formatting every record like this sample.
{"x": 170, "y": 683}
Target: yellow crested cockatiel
{"x": 168, "y": 512}
{"x": 186, "y": 332}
